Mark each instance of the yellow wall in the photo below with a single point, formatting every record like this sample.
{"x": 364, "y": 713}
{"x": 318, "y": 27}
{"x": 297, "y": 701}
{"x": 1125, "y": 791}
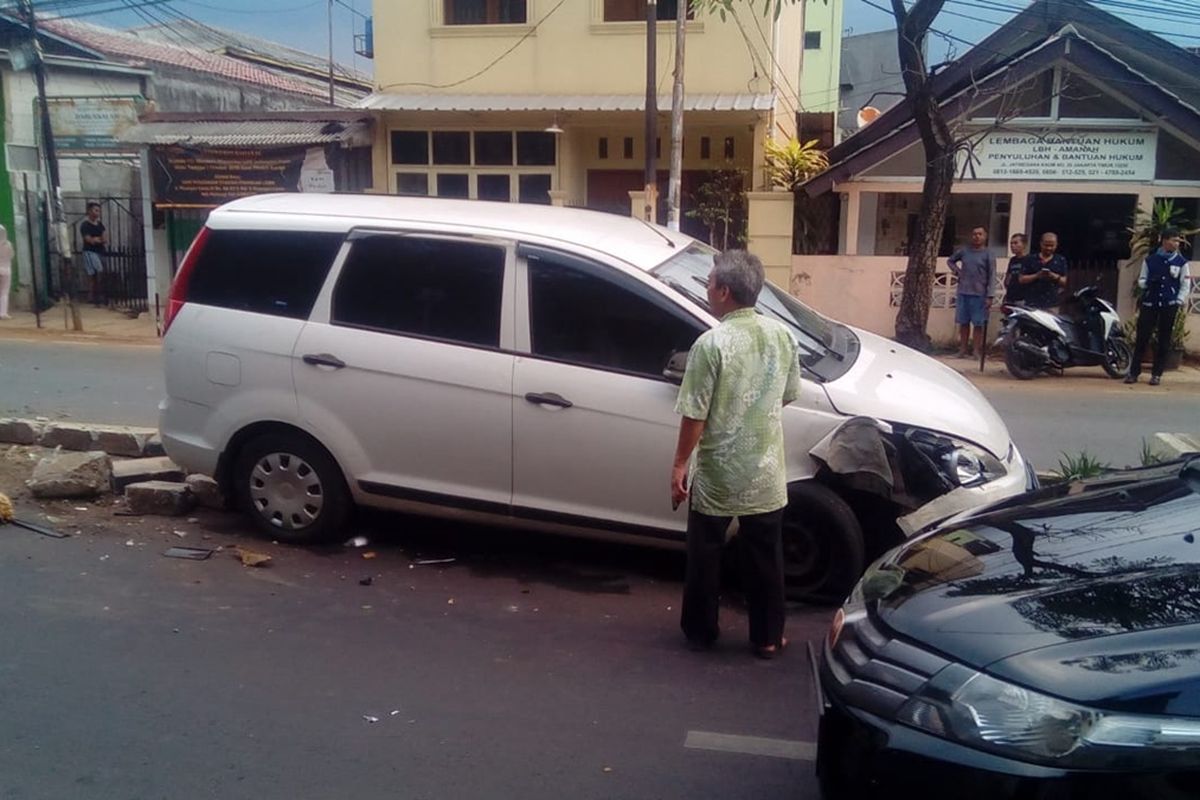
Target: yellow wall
{"x": 574, "y": 52}
{"x": 820, "y": 69}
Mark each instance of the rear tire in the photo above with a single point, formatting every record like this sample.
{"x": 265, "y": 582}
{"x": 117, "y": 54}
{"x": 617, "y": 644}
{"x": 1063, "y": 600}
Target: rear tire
{"x": 823, "y": 551}
{"x": 291, "y": 488}
{"x": 1118, "y": 355}
{"x": 1018, "y": 363}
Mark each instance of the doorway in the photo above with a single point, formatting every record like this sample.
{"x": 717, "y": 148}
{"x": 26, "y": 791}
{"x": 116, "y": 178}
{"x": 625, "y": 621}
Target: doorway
{"x": 1091, "y": 232}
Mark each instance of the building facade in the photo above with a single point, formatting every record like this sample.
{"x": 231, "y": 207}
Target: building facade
{"x": 543, "y": 101}
{"x": 1072, "y": 120}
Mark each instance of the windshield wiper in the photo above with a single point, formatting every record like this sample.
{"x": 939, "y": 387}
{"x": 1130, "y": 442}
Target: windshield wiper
{"x": 792, "y": 323}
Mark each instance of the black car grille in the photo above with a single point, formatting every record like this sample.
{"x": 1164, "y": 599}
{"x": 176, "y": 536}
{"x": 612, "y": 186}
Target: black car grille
{"x": 873, "y": 671}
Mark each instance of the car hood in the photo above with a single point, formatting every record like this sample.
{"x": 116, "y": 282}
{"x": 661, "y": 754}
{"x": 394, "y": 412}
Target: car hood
{"x": 895, "y": 383}
{"x": 1074, "y": 594}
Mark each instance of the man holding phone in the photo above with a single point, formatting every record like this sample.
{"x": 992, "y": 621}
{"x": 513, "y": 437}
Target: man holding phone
{"x": 1044, "y": 276}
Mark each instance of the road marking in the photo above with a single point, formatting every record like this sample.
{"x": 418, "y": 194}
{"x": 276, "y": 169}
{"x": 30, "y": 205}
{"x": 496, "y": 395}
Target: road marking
{"x": 751, "y": 745}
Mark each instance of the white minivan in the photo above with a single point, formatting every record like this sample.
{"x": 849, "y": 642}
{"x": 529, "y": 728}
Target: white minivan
{"x": 519, "y": 364}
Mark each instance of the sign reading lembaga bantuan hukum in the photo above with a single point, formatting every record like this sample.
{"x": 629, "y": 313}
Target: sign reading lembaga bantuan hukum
{"x": 188, "y": 178}
{"x": 1072, "y": 156}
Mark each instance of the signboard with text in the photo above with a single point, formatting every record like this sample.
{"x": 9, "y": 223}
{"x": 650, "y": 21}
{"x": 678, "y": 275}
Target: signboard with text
{"x": 1065, "y": 155}
{"x": 205, "y": 178}
{"x": 91, "y": 124}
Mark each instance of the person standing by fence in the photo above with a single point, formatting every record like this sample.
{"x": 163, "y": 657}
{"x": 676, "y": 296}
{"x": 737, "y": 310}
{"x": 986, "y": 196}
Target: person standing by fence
{"x": 95, "y": 243}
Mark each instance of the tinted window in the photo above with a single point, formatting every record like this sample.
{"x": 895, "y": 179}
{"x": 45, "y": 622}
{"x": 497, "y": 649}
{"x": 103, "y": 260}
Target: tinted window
{"x": 267, "y": 272}
{"x": 535, "y": 148}
{"x": 426, "y": 287}
{"x": 587, "y": 314}
{"x": 451, "y": 147}
{"x": 410, "y": 147}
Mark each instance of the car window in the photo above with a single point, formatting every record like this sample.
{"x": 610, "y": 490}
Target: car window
{"x": 435, "y": 288}
{"x": 586, "y": 313}
{"x": 267, "y": 272}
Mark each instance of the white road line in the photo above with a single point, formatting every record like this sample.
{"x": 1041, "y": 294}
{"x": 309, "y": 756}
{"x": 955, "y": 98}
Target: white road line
{"x": 751, "y": 745}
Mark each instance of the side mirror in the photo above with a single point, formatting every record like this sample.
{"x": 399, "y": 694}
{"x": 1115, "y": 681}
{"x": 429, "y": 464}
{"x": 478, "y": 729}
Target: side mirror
{"x": 676, "y": 366}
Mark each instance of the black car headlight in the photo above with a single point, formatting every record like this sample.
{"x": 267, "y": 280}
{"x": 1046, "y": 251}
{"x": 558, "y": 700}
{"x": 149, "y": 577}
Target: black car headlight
{"x": 990, "y": 714}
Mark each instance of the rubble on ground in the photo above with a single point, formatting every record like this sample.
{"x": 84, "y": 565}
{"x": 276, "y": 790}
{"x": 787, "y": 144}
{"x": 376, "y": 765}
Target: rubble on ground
{"x": 73, "y": 474}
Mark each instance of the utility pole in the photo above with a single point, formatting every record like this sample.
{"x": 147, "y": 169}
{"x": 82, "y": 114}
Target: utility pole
{"x": 651, "y": 177}
{"x": 331, "y": 101}
{"x": 676, "y": 174}
{"x": 51, "y": 156}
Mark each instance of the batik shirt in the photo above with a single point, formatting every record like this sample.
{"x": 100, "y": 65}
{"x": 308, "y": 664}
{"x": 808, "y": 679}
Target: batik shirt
{"x": 739, "y": 376}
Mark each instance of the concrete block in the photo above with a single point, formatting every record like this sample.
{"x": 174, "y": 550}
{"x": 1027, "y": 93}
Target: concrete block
{"x": 68, "y": 436}
{"x": 154, "y": 446}
{"x": 206, "y": 491}
{"x": 19, "y": 431}
{"x": 120, "y": 441}
{"x": 137, "y": 470}
{"x": 158, "y": 497}
{"x": 84, "y": 474}
{"x": 1175, "y": 445}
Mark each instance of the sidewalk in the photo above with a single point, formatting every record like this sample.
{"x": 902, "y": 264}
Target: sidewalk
{"x": 99, "y": 325}
{"x": 1185, "y": 379}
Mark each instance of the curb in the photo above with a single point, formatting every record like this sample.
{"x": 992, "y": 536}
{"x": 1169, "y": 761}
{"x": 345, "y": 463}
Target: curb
{"x": 115, "y": 440}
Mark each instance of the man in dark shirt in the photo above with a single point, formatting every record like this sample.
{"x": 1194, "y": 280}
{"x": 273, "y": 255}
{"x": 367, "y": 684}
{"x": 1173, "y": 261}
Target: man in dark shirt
{"x": 95, "y": 239}
{"x": 1014, "y": 292}
{"x": 1044, "y": 276}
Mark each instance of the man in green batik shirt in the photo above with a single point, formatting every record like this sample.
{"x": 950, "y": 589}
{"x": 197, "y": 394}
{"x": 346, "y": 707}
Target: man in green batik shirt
{"x": 739, "y": 377}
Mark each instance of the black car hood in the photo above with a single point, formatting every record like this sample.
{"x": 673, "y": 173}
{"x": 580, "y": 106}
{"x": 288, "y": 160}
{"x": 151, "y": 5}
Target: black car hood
{"x": 1090, "y": 592}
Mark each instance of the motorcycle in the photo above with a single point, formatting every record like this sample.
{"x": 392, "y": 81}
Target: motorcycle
{"x": 1036, "y": 341}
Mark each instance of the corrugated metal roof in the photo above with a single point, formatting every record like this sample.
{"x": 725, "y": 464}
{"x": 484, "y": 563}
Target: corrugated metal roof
{"x": 389, "y": 101}
{"x": 249, "y": 133}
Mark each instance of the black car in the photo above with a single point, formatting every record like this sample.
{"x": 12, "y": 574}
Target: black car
{"x": 1046, "y": 648}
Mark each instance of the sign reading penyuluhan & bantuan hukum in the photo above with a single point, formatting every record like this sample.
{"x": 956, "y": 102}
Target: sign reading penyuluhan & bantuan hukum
{"x": 1065, "y": 155}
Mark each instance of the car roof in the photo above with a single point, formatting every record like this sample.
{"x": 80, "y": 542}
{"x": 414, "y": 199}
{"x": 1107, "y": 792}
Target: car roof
{"x": 627, "y": 238}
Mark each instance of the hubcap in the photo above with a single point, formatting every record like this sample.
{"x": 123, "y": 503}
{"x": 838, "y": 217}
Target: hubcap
{"x": 286, "y": 491}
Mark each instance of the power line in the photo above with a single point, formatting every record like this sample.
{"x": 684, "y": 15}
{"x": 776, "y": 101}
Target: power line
{"x": 228, "y": 10}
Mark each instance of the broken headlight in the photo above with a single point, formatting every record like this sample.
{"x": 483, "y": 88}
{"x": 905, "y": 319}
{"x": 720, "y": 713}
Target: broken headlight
{"x": 958, "y": 463}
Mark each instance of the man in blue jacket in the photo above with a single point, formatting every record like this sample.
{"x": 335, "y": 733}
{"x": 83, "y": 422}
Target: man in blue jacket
{"x": 1165, "y": 282}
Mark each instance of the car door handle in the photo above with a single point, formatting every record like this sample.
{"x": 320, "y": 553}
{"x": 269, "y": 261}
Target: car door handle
{"x": 323, "y": 360}
{"x": 549, "y": 399}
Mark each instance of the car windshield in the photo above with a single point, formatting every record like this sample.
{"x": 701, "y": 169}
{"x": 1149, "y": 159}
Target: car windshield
{"x": 687, "y": 273}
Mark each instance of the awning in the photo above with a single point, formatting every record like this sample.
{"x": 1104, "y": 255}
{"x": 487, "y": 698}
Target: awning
{"x": 250, "y": 132}
{"x": 389, "y": 101}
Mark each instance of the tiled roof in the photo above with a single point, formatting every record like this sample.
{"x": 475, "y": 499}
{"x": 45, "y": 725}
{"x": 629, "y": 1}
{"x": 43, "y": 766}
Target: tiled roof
{"x": 389, "y": 101}
{"x": 249, "y": 132}
{"x": 129, "y": 47}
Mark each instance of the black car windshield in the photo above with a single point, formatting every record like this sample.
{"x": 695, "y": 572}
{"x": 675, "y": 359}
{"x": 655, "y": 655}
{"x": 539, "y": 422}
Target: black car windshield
{"x": 688, "y": 272}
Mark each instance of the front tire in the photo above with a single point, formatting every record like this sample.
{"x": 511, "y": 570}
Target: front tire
{"x": 291, "y": 487}
{"x": 1118, "y": 355}
{"x": 1020, "y": 365}
{"x": 823, "y": 550}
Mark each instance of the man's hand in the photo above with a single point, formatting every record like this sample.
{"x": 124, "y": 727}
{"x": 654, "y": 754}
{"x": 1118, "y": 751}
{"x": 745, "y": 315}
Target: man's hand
{"x": 988, "y": 304}
{"x": 679, "y": 489}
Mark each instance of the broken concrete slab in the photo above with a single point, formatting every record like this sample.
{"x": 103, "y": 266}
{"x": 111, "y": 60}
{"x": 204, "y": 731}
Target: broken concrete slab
{"x": 74, "y": 474}
{"x": 68, "y": 436}
{"x": 163, "y": 498}
{"x": 120, "y": 440}
{"x": 1170, "y": 446}
{"x": 154, "y": 446}
{"x": 137, "y": 470}
{"x": 19, "y": 431}
{"x": 206, "y": 491}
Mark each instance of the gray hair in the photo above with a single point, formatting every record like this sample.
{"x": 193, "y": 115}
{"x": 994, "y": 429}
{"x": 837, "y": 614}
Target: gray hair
{"x": 741, "y": 273}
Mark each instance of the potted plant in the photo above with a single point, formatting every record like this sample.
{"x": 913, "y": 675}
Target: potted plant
{"x": 788, "y": 166}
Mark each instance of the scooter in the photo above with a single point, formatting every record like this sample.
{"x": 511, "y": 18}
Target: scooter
{"x": 1036, "y": 341}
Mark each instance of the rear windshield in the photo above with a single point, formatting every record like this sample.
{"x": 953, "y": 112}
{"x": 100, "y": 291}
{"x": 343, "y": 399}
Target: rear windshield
{"x": 266, "y": 272}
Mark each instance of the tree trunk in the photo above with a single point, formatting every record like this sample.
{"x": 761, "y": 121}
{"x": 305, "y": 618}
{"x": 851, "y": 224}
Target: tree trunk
{"x": 938, "y": 142}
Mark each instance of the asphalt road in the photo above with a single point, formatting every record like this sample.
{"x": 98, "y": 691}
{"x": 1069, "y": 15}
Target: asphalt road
{"x": 526, "y": 667}
{"x": 1047, "y": 417}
